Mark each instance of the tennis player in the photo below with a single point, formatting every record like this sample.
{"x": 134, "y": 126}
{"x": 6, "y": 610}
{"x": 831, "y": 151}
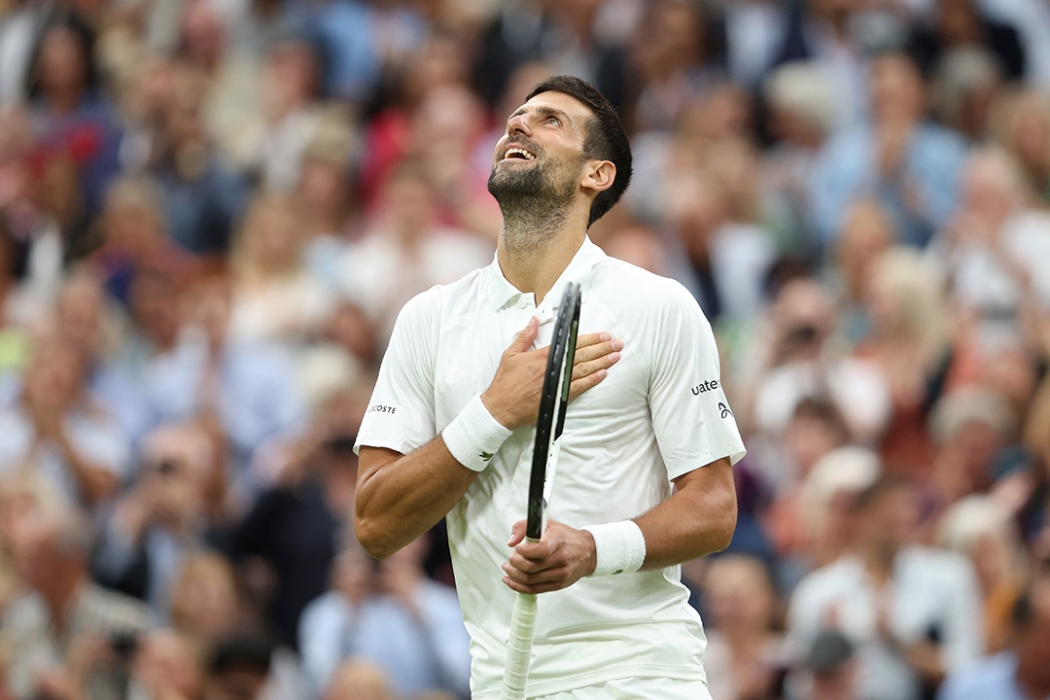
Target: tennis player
{"x": 644, "y": 480}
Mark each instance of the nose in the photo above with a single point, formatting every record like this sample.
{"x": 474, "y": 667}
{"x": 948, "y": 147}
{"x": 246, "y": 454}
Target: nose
{"x": 519, "y": 125}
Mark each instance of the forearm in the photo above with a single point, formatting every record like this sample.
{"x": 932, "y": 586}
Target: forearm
{"x": 401, "y": 497}
{"x": 695, "y": 521}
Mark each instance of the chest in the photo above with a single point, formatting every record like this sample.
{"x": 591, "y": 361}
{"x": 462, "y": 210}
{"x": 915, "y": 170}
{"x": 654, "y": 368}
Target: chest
{"x": 469, "y": 354}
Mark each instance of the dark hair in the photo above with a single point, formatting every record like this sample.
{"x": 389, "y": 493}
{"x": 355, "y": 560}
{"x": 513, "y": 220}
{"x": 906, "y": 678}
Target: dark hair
{"x": 606, "y": 138}
{"x": 243, "y": 650}
{"x": 824, "y": 410}
{"x": 85, "y": 35}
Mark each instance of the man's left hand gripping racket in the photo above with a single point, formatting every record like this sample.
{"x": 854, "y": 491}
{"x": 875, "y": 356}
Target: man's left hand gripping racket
{"x": 549, "y": 425}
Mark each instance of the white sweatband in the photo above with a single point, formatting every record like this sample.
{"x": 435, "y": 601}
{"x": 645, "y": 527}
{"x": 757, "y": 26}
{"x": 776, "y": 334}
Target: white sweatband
{"x": 619, "y": 548}
{"x": 474, "y": 436}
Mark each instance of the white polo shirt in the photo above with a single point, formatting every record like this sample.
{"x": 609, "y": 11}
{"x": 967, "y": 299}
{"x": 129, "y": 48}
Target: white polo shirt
{"x": 660, "y": 413}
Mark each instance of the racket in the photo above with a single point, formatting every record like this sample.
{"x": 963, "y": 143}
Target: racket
{"x": 549, "y": 425}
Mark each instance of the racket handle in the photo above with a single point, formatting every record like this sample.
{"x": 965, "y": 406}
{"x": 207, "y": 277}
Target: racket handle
{"x": 519, "y": 647}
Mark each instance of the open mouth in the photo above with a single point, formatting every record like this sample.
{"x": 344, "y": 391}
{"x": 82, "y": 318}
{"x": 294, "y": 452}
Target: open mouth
{"x": 518, "y": 154}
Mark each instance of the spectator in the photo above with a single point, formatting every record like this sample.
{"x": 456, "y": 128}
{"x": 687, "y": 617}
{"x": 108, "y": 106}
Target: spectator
{"x": 55, "y": 426}
{"x": 912, "y": 612}
{"x": 247, "y": 665}
{"x": 674, "y": 53}
{"x": 966, "y": 85}
{"x": 325, "y": 205}
{"x": 828, "y": 33}
{"x": 866, "y": 233}
{"x": 816, "y": 431}
{"x": 909, "y": 340}
{"x": 982, "y": 529}
{"x": 68, "y": 632}
{"x": 744, "y": 653}
{"x": 1021, "y": 125}
{"x": 973, "y": 428}
{"x": 1022, "y": 671}
{"x": 274, "y": 298}
{"x": 71, "y": 122}
{"x": 826, "y": 503}
{"x": 959, "y": 23}
{"x": 159, "y": 521}
{"x": 832, "y": 664}
{"x": 802, "y": 112}
{"x": 388, "y": 613}
{"x": 908, "y": 163}
{"x": 801, "y": 358}
{"x": 294, "y": 525}
{"x": 293, "y": 113}
{"x": 246, "y": 389}
{"x": 166, "y": 667}
{"x": 992, "y": 247}
{"x": 728, "y": 258}
{"x": 23, "y": 495}
{"x": 134, "y": 236}
{"x": 203, "y": 196}
{"x": 205, "y": 600}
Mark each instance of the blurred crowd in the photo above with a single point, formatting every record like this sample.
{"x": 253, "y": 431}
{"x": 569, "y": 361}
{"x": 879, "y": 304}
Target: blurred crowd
{"x": 211, "y": 212}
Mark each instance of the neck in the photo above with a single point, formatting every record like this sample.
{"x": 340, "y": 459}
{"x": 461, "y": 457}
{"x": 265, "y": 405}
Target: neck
{"x": 878, "y": 563}
{"x": 536, "y": 247}
{"x": 60, "y": 593}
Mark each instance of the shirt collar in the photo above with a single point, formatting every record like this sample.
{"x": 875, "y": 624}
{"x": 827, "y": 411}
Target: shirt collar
{"x": 501, "y": 292}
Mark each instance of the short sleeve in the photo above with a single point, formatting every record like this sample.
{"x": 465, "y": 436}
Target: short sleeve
{"x": 692, "y": 420}
{"x": 400, "y": 415}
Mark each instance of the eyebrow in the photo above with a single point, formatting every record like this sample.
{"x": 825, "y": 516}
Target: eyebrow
{"x": 544, "y": 110}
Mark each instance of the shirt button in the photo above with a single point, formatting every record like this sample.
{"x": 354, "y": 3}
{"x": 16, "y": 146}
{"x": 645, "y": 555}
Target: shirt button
{"x": 522, "y": 303}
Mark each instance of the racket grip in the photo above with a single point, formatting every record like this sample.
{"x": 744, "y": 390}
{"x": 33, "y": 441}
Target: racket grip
{"x": 519, "y": 647}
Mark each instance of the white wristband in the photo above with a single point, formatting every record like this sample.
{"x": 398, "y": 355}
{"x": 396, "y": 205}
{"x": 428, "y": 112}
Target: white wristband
{"x": 474, "y": 436}
{"x": 619, "y": 547}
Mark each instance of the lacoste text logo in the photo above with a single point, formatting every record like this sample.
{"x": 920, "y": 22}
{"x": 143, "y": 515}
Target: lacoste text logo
{"x": 379, "y": 408}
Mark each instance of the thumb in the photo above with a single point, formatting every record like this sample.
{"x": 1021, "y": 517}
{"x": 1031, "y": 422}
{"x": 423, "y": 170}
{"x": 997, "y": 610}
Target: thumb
{"x": 517, "y": 534}
{"x": 523, "y": 341}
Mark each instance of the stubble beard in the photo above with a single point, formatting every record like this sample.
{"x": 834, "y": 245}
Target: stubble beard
{"x": 534, "y": 202}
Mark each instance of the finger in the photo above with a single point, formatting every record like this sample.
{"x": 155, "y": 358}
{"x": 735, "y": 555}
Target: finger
{"x": 536, "y": 550}
{"x": 532, "y": 566}
{"x": 593, "y": 352}
{"x": 581, "y": 385}
{"x": 523, "y": 341}
{"x": 588, "y": 339}
{"x": 517, "y": 533}
{"x": 584, "y": 368}
{"x": 539, "y": 588}
{"x": 559, "y": 573}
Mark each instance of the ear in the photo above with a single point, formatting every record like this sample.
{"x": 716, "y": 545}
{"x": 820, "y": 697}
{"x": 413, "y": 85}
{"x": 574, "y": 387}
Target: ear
{"x": 598, "y": 176}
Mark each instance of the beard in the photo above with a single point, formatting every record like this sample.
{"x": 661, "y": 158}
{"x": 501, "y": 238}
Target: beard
{"x": 534, "y": 200}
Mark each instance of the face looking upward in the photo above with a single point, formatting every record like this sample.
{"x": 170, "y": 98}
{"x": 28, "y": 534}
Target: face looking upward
{"x": 541, "y": 158}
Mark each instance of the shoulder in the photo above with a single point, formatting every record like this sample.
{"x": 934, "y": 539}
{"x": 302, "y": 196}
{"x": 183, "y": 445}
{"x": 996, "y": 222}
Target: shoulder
{"x": 111, "y": 609}
{"x": 26, "y": 613}
{"x": 625, "y": 286}
{"x": 945, "y": 567}
{"x": 828, "y": 580}
{"x": 934, "y": 136}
